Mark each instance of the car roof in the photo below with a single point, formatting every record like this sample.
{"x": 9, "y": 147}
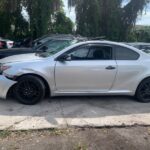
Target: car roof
{"x": 108, "y": 42}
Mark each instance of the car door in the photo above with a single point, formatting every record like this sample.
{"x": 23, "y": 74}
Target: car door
{"x": 129, "y": 68}
{"x": 90, "y": 68}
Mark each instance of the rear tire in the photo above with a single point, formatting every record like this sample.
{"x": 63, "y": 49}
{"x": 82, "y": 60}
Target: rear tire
{"x": 29, "y": 90}
{"x": 143, "y": 91}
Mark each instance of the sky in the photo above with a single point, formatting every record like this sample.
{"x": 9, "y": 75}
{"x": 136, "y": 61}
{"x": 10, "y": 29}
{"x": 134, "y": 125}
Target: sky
{"x": 69, "y": 12}
{"x": 142, "y": 20}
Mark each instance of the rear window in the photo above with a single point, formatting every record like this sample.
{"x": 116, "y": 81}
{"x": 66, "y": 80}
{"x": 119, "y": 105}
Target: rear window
{"x": 123, "y": 53}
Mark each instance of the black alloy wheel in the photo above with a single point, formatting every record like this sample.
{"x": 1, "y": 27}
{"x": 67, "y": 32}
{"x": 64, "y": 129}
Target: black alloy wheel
{"x": 143, "y": 91}
{"x": 29, "y": 90}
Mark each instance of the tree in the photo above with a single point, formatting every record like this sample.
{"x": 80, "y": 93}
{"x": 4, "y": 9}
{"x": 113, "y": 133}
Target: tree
{"x": 140, "y": 33}
{"x": 12, "y": 23}
{"x": 61, "y": 24}
{"x": 40, "y": 15}
{"x": 107, "y": 18}
{"x": 40, "y": 12}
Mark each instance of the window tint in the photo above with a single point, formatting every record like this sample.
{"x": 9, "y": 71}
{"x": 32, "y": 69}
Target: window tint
{"x": 79, "y": 54}
{"x": 100, "y": 53}
{"x": 91, "y": 53}
{"x": 123, "y": 53}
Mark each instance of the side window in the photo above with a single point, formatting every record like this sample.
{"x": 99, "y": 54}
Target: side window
{"x": 123, "y": 53}
{"x": 100, "y": 53}
{"x": 79, "y": 54}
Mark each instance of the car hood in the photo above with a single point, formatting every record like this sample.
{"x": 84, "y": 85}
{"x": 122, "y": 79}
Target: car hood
{"x": 21, "y": 58}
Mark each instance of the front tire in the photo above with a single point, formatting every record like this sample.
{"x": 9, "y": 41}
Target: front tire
{"x": 29, "y": 90}
{"x": 143, "y": 91}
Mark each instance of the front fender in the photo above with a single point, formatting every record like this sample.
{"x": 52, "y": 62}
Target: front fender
{"x": 46, "y": 74}
{"x": 5, "y": 85}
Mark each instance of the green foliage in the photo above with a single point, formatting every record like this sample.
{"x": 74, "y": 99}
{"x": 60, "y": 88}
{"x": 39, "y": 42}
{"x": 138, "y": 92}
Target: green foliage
{"x": 88, "y": 18}
{"x": 40, "y": 12}
{"x": 10, "y": 15}
{"x": 107, "y": 17}
{"x": 44, "y": 15}
{"x": 140, "y": 34}
{"x": 61, "y": 24}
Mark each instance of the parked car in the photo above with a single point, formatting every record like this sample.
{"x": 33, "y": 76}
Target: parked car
{"x": 141, "y": 46}
{"x": 53, "y": 43}
{"x": 49, "y": 37}
{"x": 86, "y": 68}
{"x": 23, "y": 43}
{"x": 4, "y": 43}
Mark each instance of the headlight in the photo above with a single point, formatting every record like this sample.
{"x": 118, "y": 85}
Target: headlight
{"x": 3, "y": 68}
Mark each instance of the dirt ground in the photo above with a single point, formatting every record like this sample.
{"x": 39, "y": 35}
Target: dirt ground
{"x": 129, "y": 138}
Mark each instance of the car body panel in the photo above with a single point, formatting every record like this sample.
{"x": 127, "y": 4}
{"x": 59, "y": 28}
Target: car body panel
{"x": 84, "y": 76}
{"x": 130, "y": 71}
{"x": 14, "y": 51}
{"x": 21, "y": 57}
{"x": 5, "y": 85}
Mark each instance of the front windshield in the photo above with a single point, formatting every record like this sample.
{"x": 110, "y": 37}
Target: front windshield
{"x": 55, "y": 46}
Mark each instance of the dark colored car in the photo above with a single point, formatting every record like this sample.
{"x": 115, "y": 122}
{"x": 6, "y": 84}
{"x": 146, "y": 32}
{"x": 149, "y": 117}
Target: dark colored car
{"x": 59, "y": 42}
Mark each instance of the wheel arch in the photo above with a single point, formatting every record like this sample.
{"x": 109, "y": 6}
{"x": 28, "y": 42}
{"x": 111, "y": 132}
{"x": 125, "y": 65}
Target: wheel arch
{"x": 148, "y": 77}
{"x": 48, "y": 93}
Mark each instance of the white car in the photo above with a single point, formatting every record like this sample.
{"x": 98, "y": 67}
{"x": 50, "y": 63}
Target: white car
{"x": 5, "y": 43}
{"x": 87, "y": 68}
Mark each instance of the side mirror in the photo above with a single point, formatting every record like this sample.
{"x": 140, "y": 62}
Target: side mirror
{"x": 64, "y": 57}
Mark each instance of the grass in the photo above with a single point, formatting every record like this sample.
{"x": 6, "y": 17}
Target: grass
{"x": 4, "y": 134}
{"x": 53, "y": 132}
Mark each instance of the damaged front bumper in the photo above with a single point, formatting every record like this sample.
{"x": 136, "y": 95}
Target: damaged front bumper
{"x": 5, "y": 85}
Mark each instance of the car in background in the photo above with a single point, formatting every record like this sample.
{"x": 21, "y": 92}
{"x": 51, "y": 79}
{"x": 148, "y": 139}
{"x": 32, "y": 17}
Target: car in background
{"x": 85, "y": 68}
{"x": 141, "y": 46}
{"x": 4, "y": 43}
{"x": 49, "y": 37}
{"x": 51, "y": 44}
{"x": 28, "y": 43}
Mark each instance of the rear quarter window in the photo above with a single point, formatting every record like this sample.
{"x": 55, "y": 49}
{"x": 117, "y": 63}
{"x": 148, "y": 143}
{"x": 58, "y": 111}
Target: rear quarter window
{"x": 123, "y": 53}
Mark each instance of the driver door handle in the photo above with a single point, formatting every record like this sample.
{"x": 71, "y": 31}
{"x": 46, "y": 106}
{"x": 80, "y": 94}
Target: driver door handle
{"x": 110, "y": 68}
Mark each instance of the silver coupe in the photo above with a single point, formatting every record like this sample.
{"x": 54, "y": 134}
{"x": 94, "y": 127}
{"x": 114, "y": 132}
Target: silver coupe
{"x": 86, "y": 68}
